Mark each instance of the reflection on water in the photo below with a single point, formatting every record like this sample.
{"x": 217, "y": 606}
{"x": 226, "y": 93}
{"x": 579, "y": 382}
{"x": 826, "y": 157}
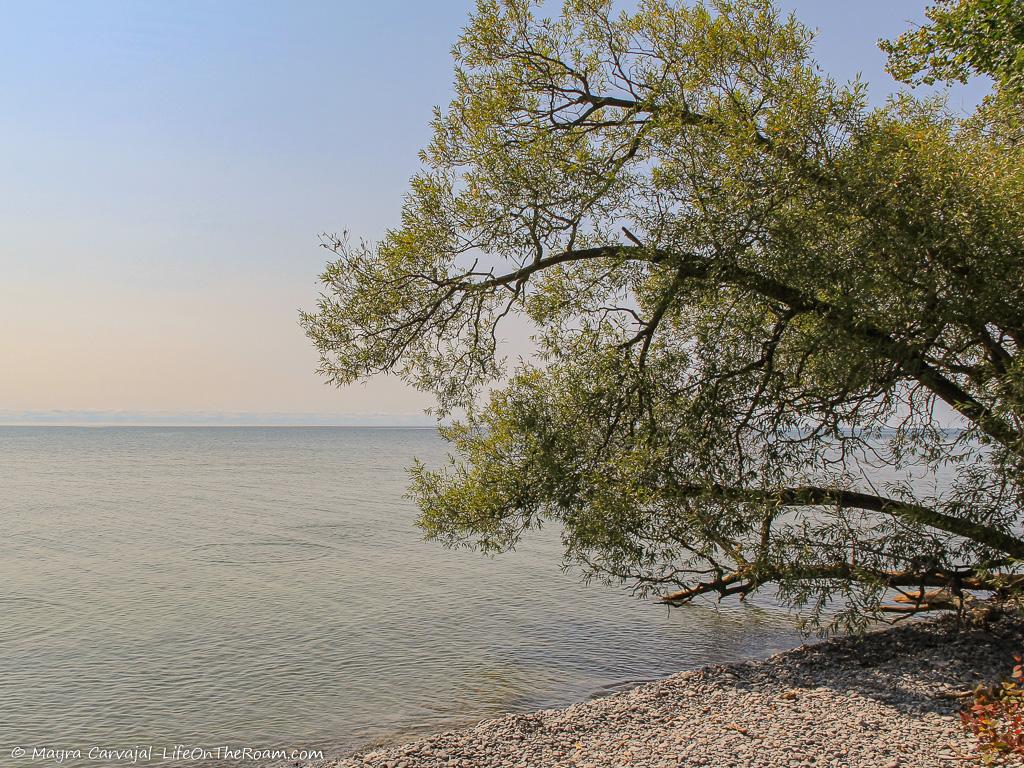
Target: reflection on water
{"x": 268, "y": 587}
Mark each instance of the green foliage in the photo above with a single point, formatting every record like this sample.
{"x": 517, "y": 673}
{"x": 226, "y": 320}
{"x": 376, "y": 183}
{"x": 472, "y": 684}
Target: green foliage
{"x": 746, "y": 286}
{"x": 964, "y": 38}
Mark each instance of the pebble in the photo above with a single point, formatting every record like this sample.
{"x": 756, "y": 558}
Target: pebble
{"x": 881, "y": 701}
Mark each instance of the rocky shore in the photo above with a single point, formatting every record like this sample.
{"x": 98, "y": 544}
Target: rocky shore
{"x": 890, "y": 700}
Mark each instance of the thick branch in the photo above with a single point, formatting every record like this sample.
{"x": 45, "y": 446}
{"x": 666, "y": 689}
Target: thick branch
{"x": 910, "y": 360}
{"x": 538, "y": 265}
{"x": 809, "y": 495}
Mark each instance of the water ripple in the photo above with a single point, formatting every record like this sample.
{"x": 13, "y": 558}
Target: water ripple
{"x": 245, "y": 553}
{"x": 268, "y": 586}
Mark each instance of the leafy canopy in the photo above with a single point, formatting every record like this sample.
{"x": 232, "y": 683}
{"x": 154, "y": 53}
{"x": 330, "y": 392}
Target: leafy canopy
{"x": 963, "y": 38}
{"x": 750, "y": 291}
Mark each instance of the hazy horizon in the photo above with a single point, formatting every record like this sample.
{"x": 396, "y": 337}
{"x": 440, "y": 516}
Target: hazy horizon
{"x": 114, "y": 418}
{"x": 168, "y": 169}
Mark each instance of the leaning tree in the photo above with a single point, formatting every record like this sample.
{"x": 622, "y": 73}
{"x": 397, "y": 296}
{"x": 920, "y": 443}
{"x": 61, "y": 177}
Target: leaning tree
{"x": 776, "y": 331}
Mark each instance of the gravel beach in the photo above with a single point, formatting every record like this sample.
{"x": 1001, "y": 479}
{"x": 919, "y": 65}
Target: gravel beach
{"x": 889, "y": 700}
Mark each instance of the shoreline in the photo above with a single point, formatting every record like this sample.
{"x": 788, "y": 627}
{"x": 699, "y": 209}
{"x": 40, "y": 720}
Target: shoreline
{"x": 889, "y": 700}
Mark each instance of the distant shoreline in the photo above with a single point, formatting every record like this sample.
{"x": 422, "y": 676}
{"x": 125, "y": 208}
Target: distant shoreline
{"x": 144, "y": 417}
{"x": 889, "y": 701}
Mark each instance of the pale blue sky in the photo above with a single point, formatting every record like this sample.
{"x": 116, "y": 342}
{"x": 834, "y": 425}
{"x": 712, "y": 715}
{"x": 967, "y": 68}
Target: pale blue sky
{"x": 165, "y": 168}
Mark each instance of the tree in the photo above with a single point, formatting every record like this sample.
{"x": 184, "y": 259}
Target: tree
{"x": 963, "y": 38}
{"x": 750, "y": 292}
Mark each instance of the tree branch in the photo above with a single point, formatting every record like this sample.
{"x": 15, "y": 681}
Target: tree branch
{"x": 746, "y": 580}
{"x": 816, "y": 496}
{"x": 912, "y": 361}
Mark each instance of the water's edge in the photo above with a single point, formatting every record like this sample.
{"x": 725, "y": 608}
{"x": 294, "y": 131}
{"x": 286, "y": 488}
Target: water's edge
{"x": 894, "y": 695}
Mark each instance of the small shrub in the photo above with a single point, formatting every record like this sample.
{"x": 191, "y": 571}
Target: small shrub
{"x": 996, "y": 715}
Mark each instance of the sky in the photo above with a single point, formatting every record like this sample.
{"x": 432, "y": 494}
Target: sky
{"x": 165, "y": 169}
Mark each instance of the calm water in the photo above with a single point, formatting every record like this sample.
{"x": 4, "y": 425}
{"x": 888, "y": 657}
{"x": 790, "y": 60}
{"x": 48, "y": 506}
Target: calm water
{"x": 267, "y": 587}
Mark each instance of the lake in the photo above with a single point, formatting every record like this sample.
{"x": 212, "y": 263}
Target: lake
{"x": 268, "y": 587}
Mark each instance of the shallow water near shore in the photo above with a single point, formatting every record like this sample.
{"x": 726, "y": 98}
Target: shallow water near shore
{"x": 267, "y": 587}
